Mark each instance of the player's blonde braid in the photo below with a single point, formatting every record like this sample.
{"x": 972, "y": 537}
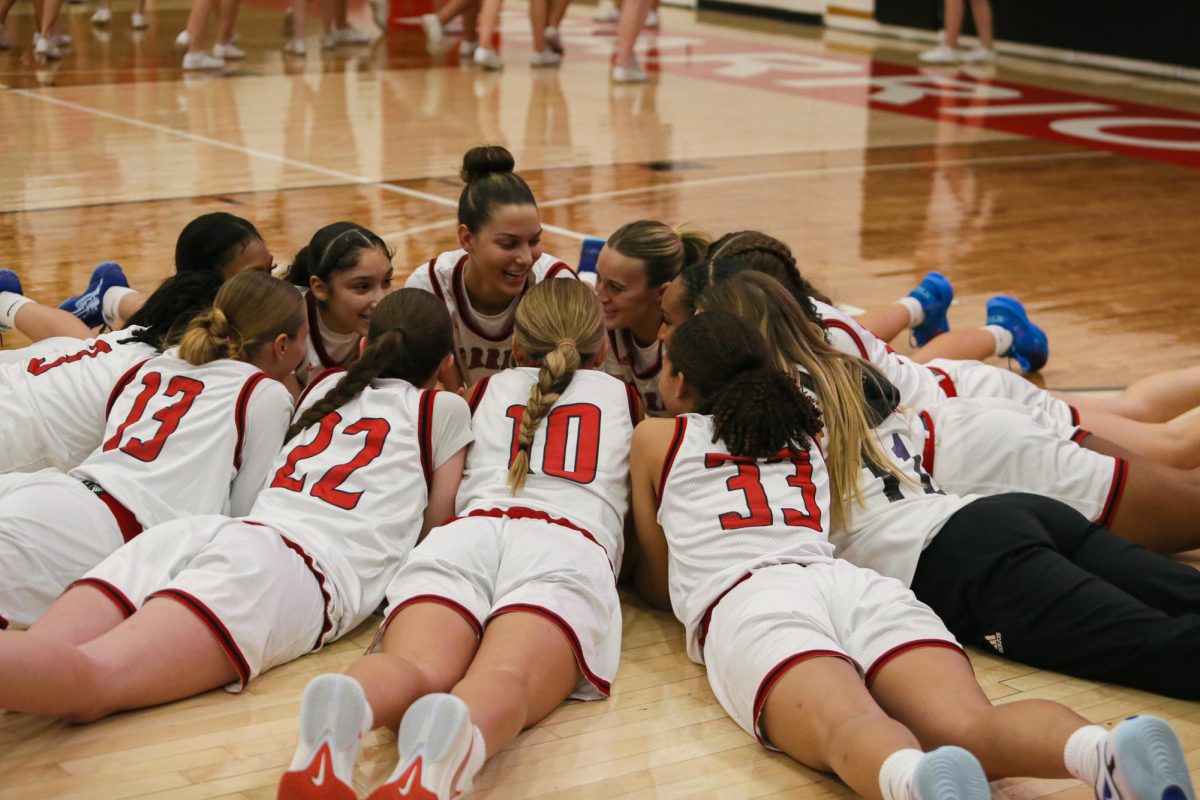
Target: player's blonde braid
{"x": 559, "y": 326}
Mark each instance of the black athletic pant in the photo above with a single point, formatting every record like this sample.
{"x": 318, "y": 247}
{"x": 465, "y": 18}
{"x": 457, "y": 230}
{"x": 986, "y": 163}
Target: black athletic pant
{"x": 1032, "y": 579}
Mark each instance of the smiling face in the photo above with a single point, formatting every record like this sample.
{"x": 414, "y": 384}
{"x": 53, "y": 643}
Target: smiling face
{"x": 348, "y": 299}
{"x": 502, "y": 253}
{"x": 673, "y": 313}
{"x": 626, "y": 299}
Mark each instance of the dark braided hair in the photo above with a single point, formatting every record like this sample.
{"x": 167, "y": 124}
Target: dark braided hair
{"x": 410, "y": 335}
{"x": 767, "y": 254}
{"x": 698, "y": 277}
{"x": 757, "y": 410}
{"x": 167, "y": 312}
{"x": 211, "y": 242}
{"x": 332, "y": 249}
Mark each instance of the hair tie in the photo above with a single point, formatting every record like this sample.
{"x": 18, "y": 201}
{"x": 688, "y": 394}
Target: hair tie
{"x": 571, "y": 342}
{"x": 523, "y": 446}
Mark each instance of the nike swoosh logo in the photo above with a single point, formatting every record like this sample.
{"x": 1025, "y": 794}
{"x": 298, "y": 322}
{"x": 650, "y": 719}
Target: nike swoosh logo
{"x": 320, "y": 779}
{"x": 412, "y": 776}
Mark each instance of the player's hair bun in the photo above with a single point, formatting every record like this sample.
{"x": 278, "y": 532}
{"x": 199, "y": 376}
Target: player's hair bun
{"x": 482, "y": 161}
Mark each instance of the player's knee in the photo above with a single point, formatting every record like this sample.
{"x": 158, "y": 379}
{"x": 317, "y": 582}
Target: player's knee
{"x": 91, "y": 699}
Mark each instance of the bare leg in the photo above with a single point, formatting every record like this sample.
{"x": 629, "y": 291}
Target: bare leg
{"x": 452, "y": 8}
{"x": 42, "y": 322}
{"x": 558, "y": 10}
{"x": 340, "y": 18}
{"x": 820, "y": 714}
{"x": 633, "y": 17}
{"x": 227, "y": 19}
{"x": 426, "y": 649}
{"x": 80, "y": 615}
{"x": 886, "y": 322}
{"x": 299, "y": 9}
{"x": 538, "y": 15}
{"x": 470, "y": 20}
{"x": 954, "y": 22}
{"x": 981, "y": 10}
{"x": 489, "y": 18}
{"x": 197, "y": 25}
{"x": 50, "y": 9}
{"x": 933, "y": 691}
{"x": 1175, "y": 443}
{"x": 5, "y": 7}
{"x": 966, "y": 345}
{"x": 524, "y": 669}
{"x": 1157, "y": 398}
{"x": 161, "y": 653}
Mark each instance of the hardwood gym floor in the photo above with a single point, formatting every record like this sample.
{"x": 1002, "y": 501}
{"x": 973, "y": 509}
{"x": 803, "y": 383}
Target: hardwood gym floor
{"x": 108, "y": 153}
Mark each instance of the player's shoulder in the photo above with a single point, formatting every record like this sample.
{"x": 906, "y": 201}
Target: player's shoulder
{"x": 548, "y": 266}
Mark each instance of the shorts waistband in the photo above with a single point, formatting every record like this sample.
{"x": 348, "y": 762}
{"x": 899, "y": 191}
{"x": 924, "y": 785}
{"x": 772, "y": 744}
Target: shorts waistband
{"x": 126, "y": 521}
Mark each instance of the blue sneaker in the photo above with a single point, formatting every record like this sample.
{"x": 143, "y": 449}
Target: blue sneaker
{"x": 9, "y": 282}
{"x": 1141, "y": 759}
{"x": 87, "y": 306}
{"x": 1030, "y": 346}
{"x": 935, "y": 294}
{"x": 950, "y": 772}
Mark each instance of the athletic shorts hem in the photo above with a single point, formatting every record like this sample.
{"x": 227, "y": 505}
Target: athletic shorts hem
{"x": 602, "y": 686}
{"x": 899, "y": 650}
{"x": 110, "y": 591}
{"x": 776, "y": 674}
{"x": 1116, "y": 491}
{"x": 214, "y": 624}
{"x": 438, "y": 599}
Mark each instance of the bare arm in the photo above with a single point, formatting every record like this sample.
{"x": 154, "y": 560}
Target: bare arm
{"x": 650, "y": 443}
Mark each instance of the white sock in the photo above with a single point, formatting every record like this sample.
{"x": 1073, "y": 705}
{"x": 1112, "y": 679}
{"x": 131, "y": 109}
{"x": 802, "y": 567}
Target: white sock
{"x": 110, "y": 304}
{"x": 1004, "y": 338}
{"x": 1082, "y": 753}
{"x": 10, "y": 304}
{"x": 476, "y": 759}
{"x": 916, "y": 314}
{"x": 896, "y": 775}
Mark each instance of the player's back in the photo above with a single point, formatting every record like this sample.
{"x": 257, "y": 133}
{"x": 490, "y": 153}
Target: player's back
{"x": 175, "y": 434}
{"x": 54, "y": 401}
{"x": 578, "y": 461}
{"x": 725, "y": 515}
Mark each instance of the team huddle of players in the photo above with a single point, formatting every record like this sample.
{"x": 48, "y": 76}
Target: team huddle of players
{"x": 251, "y": 464}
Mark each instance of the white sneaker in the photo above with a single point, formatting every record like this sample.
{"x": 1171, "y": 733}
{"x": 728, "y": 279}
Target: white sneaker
{"x": 631, "y": 74}
{"x": 229, "y": 52}
{"x": 546, "y": 58}
{"x": 978, "y": 55}
{"x": 138, "y": 21}
{"x": 941, "y": 54}
{"x": 103, "y": 16}
{"x": 1141, "y": 759}
{"x": 63, "y": 40}
{"x": 202, "y": 60}
{"x": 295, "y": 47}
{"x": 46, "y": 49}
{"x": 652, "y": 20}
{"x": 554, "y": 39}
{"x": 607, "y": 14}
{"x": 950, "y": 772}
{"x": 351, "y": 36}
{"x": 454, "y": 27}
{"x": 334, "y": 716}
{"x": 183, "y": 40}
{"x": 434, "y": 33}
{"x": 488, "y": 59}
{"x": 380, "y": 10}
{"x": 467, "y": 48}
{"x": 437, "y": 748}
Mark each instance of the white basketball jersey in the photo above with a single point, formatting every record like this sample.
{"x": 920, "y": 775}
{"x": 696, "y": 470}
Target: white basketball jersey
{"x": 919, "y": 386}
{"x": 180, "y": 438}
{"x": 351, "y": 490}
{"x": 54, "y": 403}
{"x": 325, "y": 348}
{"x": 725, "y": 516}
{"x": 895, "y": 520}
{"x": 637, "y": 366}
{"x": 578, "y": 462}
{"x": 484, "y": 343}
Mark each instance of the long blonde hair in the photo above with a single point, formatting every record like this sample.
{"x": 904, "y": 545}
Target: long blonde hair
{"x": 559, "y": 324}
{"x": 798, "y": 346}
{"x": 250, "y": 310}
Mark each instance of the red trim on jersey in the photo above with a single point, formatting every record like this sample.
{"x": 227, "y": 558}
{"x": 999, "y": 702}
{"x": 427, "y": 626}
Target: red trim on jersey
{"x": 944, "y": 381}
{"x": 108, "y": 590}
{"x": 669, "y": 461}
{"x": 777, "y": 672}
{"x": 314, "y": 332}
{"x": 327, "y": 623}
{"x": 437, "y": 599}
{"x": 930, "y": 441}
{"x": 900, "y": 650}
{"x": 239, "y": 414}
{"x": 602, "y": 686}
{"x": 459, "y": 288}
{"x": 635, "y": 403}
{"x": 477, "y": 393}
{"x": 213, "y": 622}
{"x": 1074, "y": 415}
{"x": 519, "y": 512}
{"x": 320, "y": 376}
{"x": 1079, "y": 435}
{"x": 425, "y": 434}
{"x": 120, "y": 385}
{"x": 630, "y": 360}
{"x": 433, "y": 280}
{"x": 843, "y": 326}
{"x": 3, "y": 623}
{"x": 557, "y": 268}
{"x": 127, "y": 521}
{"x": 1115, "y": 491}
{"x": 707, "y": 618}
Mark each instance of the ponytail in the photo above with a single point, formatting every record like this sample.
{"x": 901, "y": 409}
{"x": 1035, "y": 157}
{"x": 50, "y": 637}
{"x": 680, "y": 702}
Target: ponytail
{"x": 210, "y": 337}
{"x": 250, "y": 310}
